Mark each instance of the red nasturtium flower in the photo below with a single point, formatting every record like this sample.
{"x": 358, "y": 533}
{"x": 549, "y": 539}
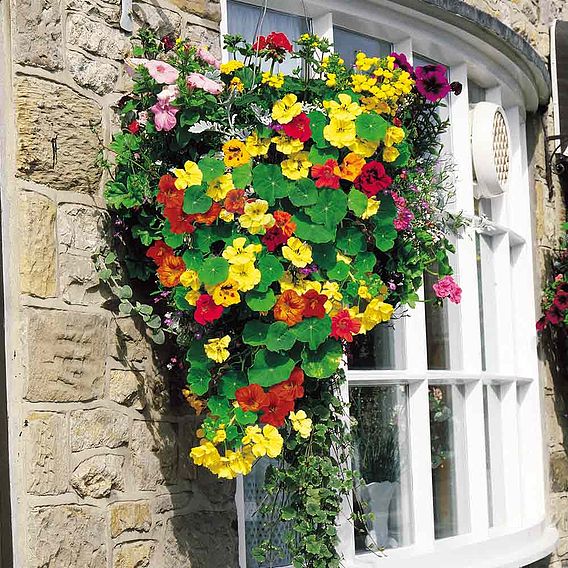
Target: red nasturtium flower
{"x": 210, "y": 216}
{"x": 292, "y": 388}
{"x": 207, "y": 310}
{"x": 325, "y": 176}
{"x": 315, "y": 304}
{"x": 289, "y": 308}
{"x": 299, "y": 127}
{"x": 167, "y": 190}
{"x": 158, "y": 251}
{"x": 343, "y": 326}
{"x": 276, "y": 411}
{"x": 284, "y": 222}
{"x": 180, "y": 222}
{"x": 372, "y": 179}
{"x": 235, "y": 201}
{"x": 273, "y": 238}
{"x": 170, "y": 270}
{"x": 252, "y": 398}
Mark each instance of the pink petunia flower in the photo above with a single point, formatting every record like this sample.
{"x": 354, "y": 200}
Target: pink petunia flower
{"x": 448, "y": 288}
{"x": 199, "y": 81}
{"x": 162, "y": 72}
{"x": 164, "y": 116}
{"x": 132, "y": 63}
{"x": 205, "y": 55}
{"x": 168, "y": 94}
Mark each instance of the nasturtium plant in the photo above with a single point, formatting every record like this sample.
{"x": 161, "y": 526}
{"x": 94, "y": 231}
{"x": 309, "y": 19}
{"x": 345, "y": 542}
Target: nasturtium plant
{"x": 276, "y": 218}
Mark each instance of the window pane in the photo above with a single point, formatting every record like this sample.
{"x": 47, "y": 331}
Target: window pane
{"x": 244, "y": 19}
{"x": 437, "y": 327}
{"x": 380, "y": 349}
{"x": 257, "y": 526}
{"x": 381, "y": 456}
{"x": 348, "y": 44}
{"x": 449, "y": 468}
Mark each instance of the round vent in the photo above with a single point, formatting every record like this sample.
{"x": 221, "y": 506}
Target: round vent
{"x": 490, "y": 148}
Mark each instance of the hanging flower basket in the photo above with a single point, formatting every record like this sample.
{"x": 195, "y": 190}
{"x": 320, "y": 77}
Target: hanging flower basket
{"x": 276, "y": 218}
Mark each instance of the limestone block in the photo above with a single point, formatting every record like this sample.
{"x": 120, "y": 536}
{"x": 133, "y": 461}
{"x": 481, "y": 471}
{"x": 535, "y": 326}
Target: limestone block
{"x": 66, "y": 536}
{"x": 98, "y": 427}
{"x": 56, "y": 142}
{"x": 133, "y": 554}
{"x": 108, "y": 11}
{"x": 37, "y": 33}
{"x": 37, "y": 247}
{"x": 125, "y": 387}
{"x": 559, "y": 472}
{"x": 80, "y": 227}
{"x": 203, "y": 36}
{"x": 78, "y": 280}
{"x": 153, "y": 454}
{"x": 96, "y": 37}
{"x": 97, "y": 476}
{"x": 187, "y": 440}
{"x": 208, "y": 9}
{"x": 210, "y": 542}
{"x": 97, "y": 76}
{"x": 129, "y": 516}
{"x": 66, "y": 355}
{"x": 46, "y": 456}
{"x": 170, "y": 502}
{"x": 162, "y": 21}
{"x": 128, "y": 344}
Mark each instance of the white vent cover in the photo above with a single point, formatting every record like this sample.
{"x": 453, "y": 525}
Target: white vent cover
{"x": 490, "y": 148}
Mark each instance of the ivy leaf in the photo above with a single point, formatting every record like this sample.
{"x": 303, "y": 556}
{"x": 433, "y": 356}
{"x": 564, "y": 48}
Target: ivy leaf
{"x": 350, "y": 240}
{"x": 213, "y": 271}
{"x": 317, "y": 123}
{"x": 270, "y": 368}
{"x": 211, "y": 169}
{"x": 260, "y": 301}
{"x": 255, "y": 332}
{"x": 105, "y": 274}
{"x": 313, "y": 331}
{"x": 271, "y": 270}
{"x": 269, "y": 183}
{"x": 322, "y": 155}
{"x": 371, "y": 126}
{"x": 195, "y": 200}
{"x": 231, "y": 382}
{"x": 308, "y": 231}
{"x": 242, "y": 176}
{"x": 198, "y": 379}
{"x": 330, "y": 208}
{"x": 303, "y": 192}
{"x": 288, "y": 513}
{"x": 279, "y": 337}
{"x": 357, "y": 202}
{"x": 384, "y": 232}
{"x": 158, "y": 337}
{"x": 324, "y": 361}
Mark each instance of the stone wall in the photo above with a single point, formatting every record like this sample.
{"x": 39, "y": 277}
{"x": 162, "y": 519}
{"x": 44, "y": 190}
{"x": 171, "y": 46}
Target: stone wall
{"x": 100, "y": 450}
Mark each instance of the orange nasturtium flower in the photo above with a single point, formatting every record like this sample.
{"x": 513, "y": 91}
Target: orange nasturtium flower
{"x": 170, "y": 271}
{"x": 351, "y": 167}
{"x": 235, "y": 153}
{"x": 289, "y": 308}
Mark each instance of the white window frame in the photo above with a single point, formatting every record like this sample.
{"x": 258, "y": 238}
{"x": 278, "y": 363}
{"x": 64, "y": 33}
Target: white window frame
{"x": 524, "y": 535}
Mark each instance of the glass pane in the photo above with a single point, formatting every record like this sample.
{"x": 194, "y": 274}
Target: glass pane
{"x": 381, "y": 456}
{"x": 348, "y": 44}
{"x": 437, "y": 327}
{"x": 245, "y": 19}
{"x": 257, "y": 529}
{"x": 494, "y": 454}
{"x": 380, "y": 349}
{"x": 449, "y": 468}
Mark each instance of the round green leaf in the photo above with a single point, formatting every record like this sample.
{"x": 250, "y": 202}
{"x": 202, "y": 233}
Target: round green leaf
{"x": 364, "y": 263}
{"x": 244, "y": 418}
{"x": 308, "y": 231}
{"x": 404, "y": 155}
{"x": 198, "y": 379}
{"x": 193, "y": 259}
{"x": 357, "y": 202}
{"x": 325, "y": 256}
{"x": 255, "y": 332}
{"x": 213, "y": 271}
{"x": 271, "y": 270}
{"x": 317, "y": 123}
{"x": 279, "y": 337}
{"x": 313, "y": 331}
{"x": 242, "y": 176}
{"x": 269, "y": 183}
{"x": 371, "y": 126}
{"x": 219, "y": 406}
{"x": 322, "y": 155}
{"x": 330, "y": 208}
{"x": 385, "y": 234}
{"x": 195, "y": 200}
{"x": 173, "y": 240}
{"x": 260, "y": 301}
{"x": 270, "y": 368}
{"x": 339, "y": 272}
{"x": 303, "y": 192}
{"x": 231, "y": 382}
{"x": 324, "y": 361}
{"x": 350, "y": 241}
{"x": 211, "y": 168}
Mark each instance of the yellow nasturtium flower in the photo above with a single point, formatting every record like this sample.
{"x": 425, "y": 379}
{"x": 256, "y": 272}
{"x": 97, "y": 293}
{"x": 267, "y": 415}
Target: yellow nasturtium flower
{"x": 190, "y": 279}
{"x": 206, "y": 454}
{"x": 216, "y": 348}
{"x": 394, "y": 135}
{"x": 219, "y": 187}
{"x": 256, "y": 217}
{"x": 376, "y": 312}
{"x": 265, "y": 442}
{"x": 286, "y": 109}
{"x": 297, "y": 252}
{"x": 363, "y": 148}
{"x": 256, "y": 145}
{"x": 235, "y": 153}
{"x": 220, "y": 435}
{"x": 246, "y": 276}
{"x": 190, "y": 175}
{"x": 241, "y": 253}
{"x": 226, "y": 293}
{"x": 372, "y": 208}
{"x": 390, "y": 154}
{"x": 340, "y": 133}
{"x": 297, "y": 166}
{"x": 301, "y": 423}
{"x": 287, "y": 145}
{"x": 345, "y": 109}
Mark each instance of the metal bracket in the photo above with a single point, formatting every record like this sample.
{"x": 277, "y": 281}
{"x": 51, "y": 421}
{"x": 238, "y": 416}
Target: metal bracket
{"x": 559, "y": 155}
{"x": 126, "y": 15}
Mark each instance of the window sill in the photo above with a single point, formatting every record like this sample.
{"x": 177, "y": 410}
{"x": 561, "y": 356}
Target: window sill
{"x": 514, "y": 550}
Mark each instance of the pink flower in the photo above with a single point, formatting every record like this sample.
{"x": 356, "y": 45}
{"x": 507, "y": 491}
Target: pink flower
{"x": 164, "y": 116}
{"x": 132, "y": 63}
{"x": 448, "y": 288}
{"x": 205, "y": 55}
{"x": 162, "y": 72}
{"x": 143, "y": 117}
{"x": 168, "y": 94}
{"x": 199, "y": 81}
